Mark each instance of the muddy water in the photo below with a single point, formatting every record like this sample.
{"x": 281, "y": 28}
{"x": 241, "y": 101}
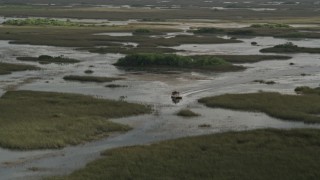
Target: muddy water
{"x": 153, "y": 89}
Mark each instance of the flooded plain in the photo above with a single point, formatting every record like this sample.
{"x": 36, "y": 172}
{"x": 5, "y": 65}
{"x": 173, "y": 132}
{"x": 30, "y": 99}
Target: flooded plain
{"x": 154, "y": 89}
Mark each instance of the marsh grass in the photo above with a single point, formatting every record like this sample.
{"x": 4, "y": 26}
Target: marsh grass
{"x": 259, "y": 154}
{"x": 245, "y": 58}
{"x": 290, "y": 48}
{"x": 187, "y": 113}
{"x": 282, "y": 14}
{"x": 142, "y": 31}
{"x": 45, "y": 59}
{"x": 271, "y": 25}
{"x": 83, "y": 37}
{"x": 288, "y": 107}
{"x": 43, "y": 120}
{"x": 98, "y": 79}
{"x": 157, "y": 60}
{"x": 274, "y": 32}
{"x": 7, "y": 68}
{"x": 307, "y": 90}
{"x": 208, "y": 30}
{"x": 115, "y": 86}
{"x": 39, "y": 22}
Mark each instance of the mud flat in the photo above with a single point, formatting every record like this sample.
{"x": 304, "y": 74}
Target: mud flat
{"x": 6, "y": 68}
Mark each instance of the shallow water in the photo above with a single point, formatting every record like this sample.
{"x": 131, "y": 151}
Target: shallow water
{"x": 153, "y": 89}
{"x": 244, "y": 48}
{"x": 253, "y": 9}
{"x": 116, "y": 34}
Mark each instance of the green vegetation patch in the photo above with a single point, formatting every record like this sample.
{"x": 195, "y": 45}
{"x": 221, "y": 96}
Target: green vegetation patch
{"x": 304, "y": 108}
{"x": 142, "y": 31}
{"x": 270, "y": 25}
{"x": 208, "y": 30}
{"x": 84, "y": 37}
{"x": 98, "y": 79}
{"x": 259, "y": 154}
{"x": 307, "y": 90}
{"x": 242, "y": 32}
{"x": 42, "y": 120}
{"x": 7, "y": 68}
{"x": 39, "y": 22}
{"x": 176, "y": 61}
{"x": 115, "y": 86}
{"x": 187, "y": 113}
{"x": 244, "y": 58}
{"x": 45, "y": 59}
{"x": 289, "y": 47}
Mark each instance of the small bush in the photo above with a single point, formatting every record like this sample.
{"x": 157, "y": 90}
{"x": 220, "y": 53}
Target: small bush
{"x": 286, "y": 45}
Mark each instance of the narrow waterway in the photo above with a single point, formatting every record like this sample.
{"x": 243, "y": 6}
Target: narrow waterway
{"x": 153, "y": 89}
